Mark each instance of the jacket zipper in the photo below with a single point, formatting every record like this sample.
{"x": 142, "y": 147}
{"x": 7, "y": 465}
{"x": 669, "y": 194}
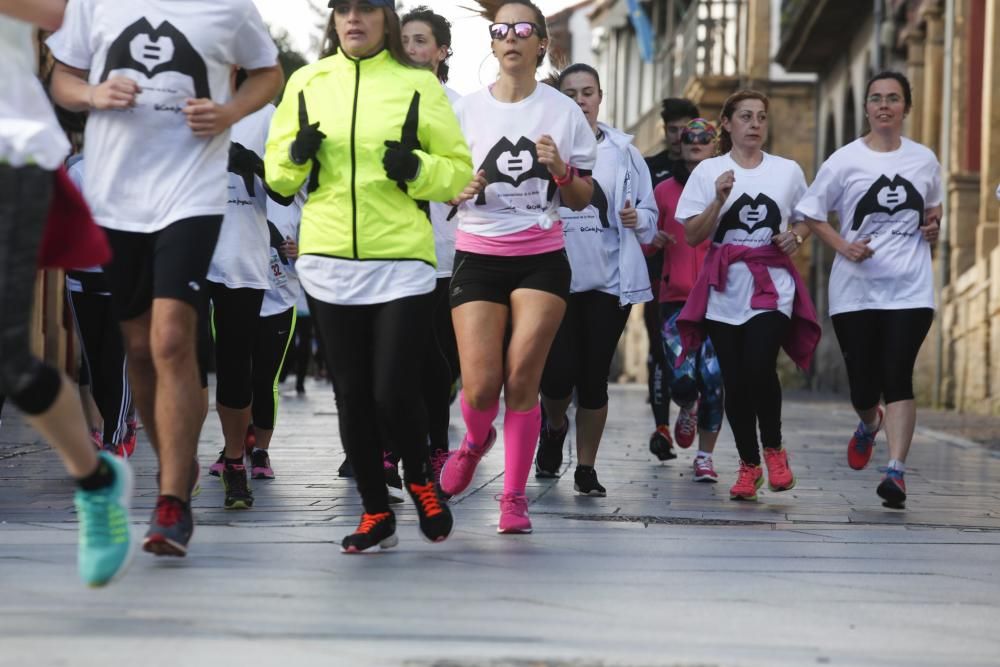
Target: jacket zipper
{"x": 354, "y": 162}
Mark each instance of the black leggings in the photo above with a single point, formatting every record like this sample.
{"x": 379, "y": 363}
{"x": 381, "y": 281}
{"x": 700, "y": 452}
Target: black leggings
{"x": 658, "y": 378}
{"x": 581, "y": 353}
{"x": 440, "y": 369}
{"x": 372, "y": 354}
{"x": 880, "y": 349}
{"x": 303, "y": 345}
{"x": 235, "y": 320}
{"x": 31, "y": 384}
{"x": 104, "y": 357}
{"x": 274, "y": 334}
{"x": 748, "y": 357}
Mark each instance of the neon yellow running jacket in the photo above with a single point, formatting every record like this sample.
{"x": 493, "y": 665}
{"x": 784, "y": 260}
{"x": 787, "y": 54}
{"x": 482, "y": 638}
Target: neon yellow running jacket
{"x": 354, "y": 211}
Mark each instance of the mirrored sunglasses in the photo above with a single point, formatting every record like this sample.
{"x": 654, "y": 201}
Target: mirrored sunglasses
{"x": 703, "y": 138}
{"x": 522, "y": 30}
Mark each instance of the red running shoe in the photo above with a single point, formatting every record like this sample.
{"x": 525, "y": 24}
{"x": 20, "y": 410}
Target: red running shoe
{"x": 686, "y": 426}
{"x": 749, "y": 479}
{"x": 779, "y": 475}
{"x": 859, "y": 450}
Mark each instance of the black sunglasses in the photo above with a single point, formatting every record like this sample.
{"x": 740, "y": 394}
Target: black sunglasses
{"x": 522, "y": 30}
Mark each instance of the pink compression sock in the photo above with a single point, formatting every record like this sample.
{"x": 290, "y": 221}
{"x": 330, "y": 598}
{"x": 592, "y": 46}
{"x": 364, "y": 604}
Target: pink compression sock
{"x": 520, "y": 436}
{"x": 478, "y": 422}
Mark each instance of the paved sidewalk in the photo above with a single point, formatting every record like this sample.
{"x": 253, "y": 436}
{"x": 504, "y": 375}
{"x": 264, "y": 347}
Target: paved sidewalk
{"x": 663, "y": 572}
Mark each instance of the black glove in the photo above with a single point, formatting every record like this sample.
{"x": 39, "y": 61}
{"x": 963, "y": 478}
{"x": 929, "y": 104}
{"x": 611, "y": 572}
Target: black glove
{"x": 308, "y": 139}
{"x": 400, "y": 162}
{"x": 246, "y": 164}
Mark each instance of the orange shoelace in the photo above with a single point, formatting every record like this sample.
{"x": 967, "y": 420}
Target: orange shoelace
{"x": 369, "y": 521}
{"x": 427, "y": 497}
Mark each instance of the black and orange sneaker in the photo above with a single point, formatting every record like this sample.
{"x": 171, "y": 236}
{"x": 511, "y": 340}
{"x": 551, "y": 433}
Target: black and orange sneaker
{"x": 435, "y": 517}
{"x": 375, "y": 530}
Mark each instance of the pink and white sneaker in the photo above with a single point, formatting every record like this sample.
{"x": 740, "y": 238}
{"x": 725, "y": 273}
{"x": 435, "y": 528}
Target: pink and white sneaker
{"x": 459, "y": 469}
{"x": 704, "y": 470}
{"x": 513, "y": 514}
{"x": 215, "y": 470}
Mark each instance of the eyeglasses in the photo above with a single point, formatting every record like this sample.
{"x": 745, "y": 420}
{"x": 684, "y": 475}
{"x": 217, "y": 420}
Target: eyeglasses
{"x": 703, "y": 138}
{"x": 522, "y": 30}
{"x": 891, "y": 98}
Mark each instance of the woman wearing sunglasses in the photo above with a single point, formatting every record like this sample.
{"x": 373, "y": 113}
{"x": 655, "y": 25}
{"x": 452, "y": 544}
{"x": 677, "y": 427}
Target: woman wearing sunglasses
{"x": 695, "y": 379}
{"x": 603, "y": 242}
{"x": 887, "y": 193}
{"x": 534, "y": 151}
{"x": 427, "y": 39}
{"x": 748, "y": 298}
{"x": 374, "y": 135}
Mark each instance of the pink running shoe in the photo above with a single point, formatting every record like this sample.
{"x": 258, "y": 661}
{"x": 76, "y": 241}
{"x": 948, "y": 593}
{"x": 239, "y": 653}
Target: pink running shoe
{"x": 460, "y": 467}
{"x": 513, "y": 514}
{"x": 779, "y": 475}
{"x": 215, "y": 470}
{"x": 438, "y": 459}
{"x": 686, "y": 426}
{"x": 749, "y": 479}
{"x": 704, "y": 470}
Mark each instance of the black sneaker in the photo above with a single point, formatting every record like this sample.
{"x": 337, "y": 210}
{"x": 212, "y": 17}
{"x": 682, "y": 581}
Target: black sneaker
{"x": 375, "y": 530}
{"x": 549, "y": 458}
{"x": 238, "y": 493}
{"x": 170, "y": 528}
{"x": 392, "y": 477}
{"x": 435, "y": 517}
{"x": 345, "y": 469}
{"x": 585, "y": 482}
{"x": 661, "y": 446}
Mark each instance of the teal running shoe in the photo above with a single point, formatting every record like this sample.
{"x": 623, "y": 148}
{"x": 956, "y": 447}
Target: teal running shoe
{"x": 106, "y": 545}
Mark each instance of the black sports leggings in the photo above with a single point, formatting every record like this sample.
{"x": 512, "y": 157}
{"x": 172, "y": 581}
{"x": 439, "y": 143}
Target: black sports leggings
{"x": 581, "y": 353}
{"x": 235, "y": 320}
{"x": 373, "y": 354}
{"x": 658, "y": 380}
{"x": 303, "y": 345}
{"x": 104, "y": 356}
{"x": 274, "y": 334}
{"x": 440, "y": 369}
{"x": 880, "y": 349}
{"x": 31, "y": 384}
{"x": 748, "y": 357}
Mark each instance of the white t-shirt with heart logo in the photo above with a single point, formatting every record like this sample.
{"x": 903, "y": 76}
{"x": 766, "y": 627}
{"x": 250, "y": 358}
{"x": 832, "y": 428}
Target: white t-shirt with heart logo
{"x": 760, "y": 206}
{"x": 502, "y": 136}
{"x": 147, "y": 168}
{"x": 882, "y": 197}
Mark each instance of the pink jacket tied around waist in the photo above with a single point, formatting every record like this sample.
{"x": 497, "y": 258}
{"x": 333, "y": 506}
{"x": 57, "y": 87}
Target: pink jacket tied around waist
{"x": 803, "y": 334}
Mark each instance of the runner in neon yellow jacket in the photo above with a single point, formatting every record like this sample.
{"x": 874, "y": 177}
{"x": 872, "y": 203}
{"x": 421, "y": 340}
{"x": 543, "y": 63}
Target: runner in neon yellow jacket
{"x": 374, "y": 136}
{"x": 354, "y": 211}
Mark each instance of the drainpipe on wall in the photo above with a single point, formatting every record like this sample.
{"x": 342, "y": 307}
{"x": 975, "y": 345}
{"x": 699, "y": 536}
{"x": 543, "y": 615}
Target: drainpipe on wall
{"x": 944, "y": 262}
{"x": 877, "y": 16}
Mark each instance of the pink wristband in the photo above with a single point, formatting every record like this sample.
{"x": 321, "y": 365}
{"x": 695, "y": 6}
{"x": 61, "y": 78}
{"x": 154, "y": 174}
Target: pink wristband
{"x": 571, "y": 173}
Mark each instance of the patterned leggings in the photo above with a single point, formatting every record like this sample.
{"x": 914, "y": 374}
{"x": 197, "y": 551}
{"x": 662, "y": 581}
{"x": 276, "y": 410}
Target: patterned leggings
{"x": 697, "y": 378}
